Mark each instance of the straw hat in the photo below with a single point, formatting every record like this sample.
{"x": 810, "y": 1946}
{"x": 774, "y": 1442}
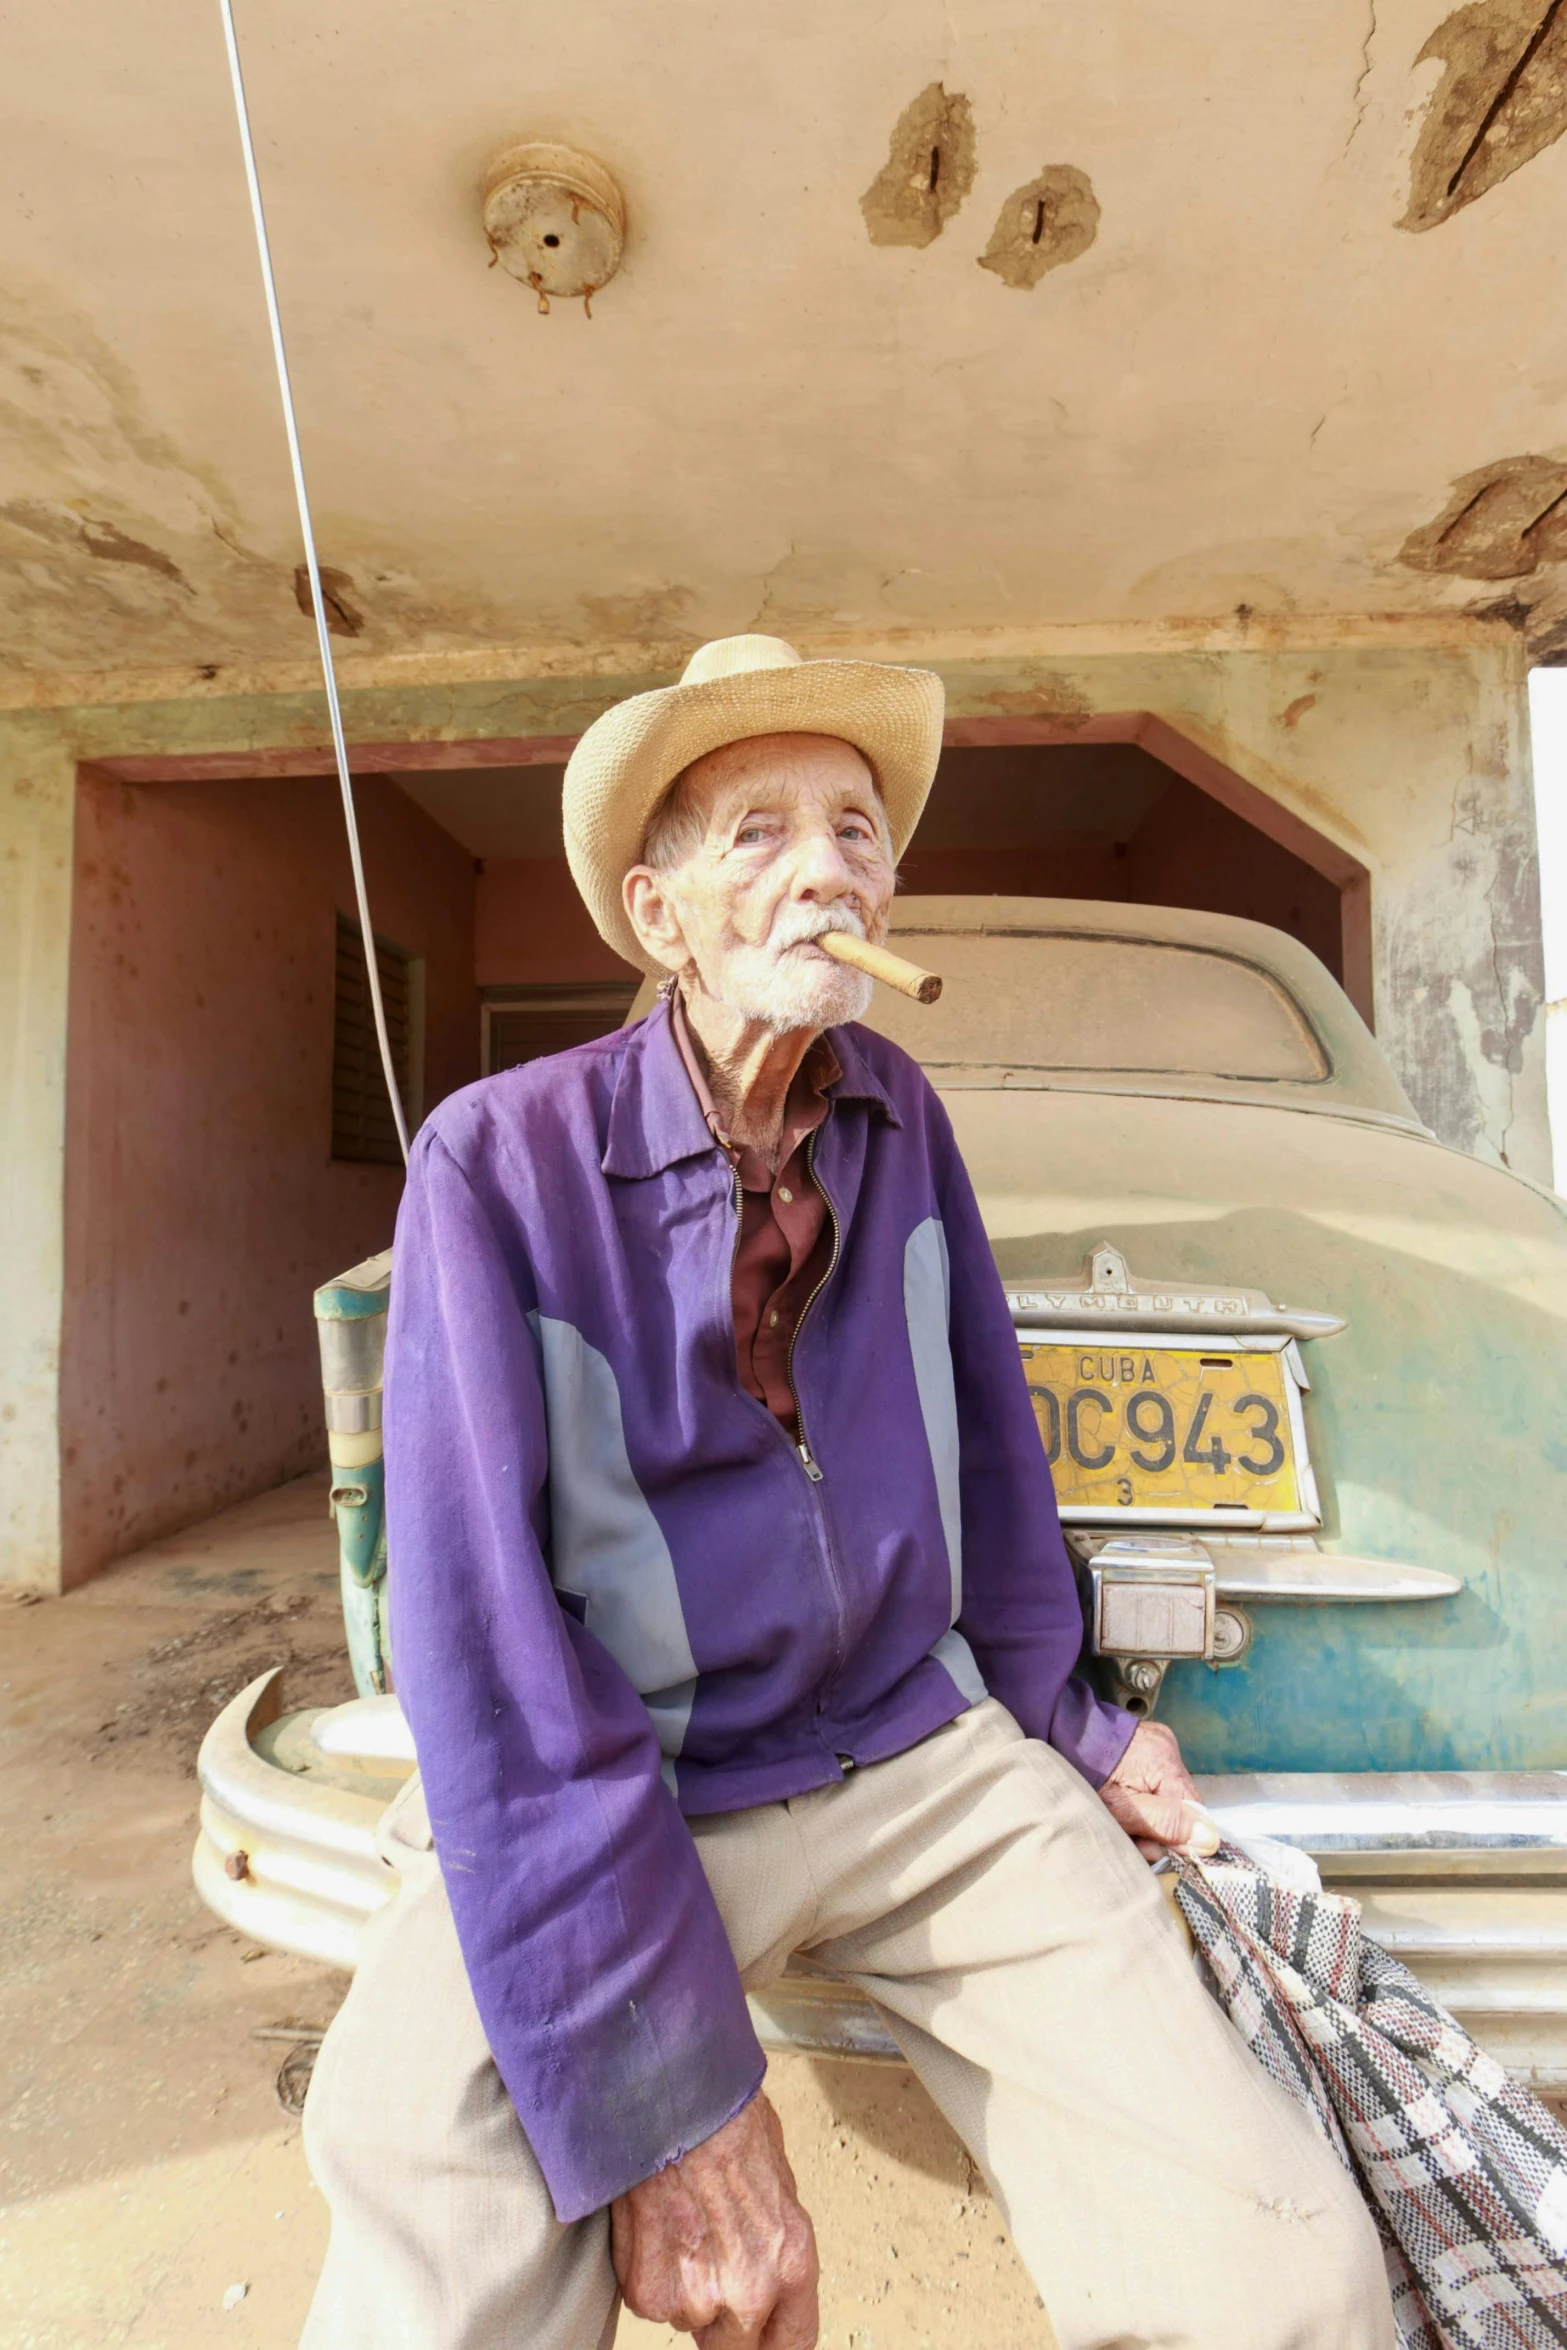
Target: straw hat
{"x": 739, "y": 686}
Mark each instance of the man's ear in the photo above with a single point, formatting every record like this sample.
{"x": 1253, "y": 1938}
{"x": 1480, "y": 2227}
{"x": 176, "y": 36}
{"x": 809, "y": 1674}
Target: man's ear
{"x": 651, "y": 912}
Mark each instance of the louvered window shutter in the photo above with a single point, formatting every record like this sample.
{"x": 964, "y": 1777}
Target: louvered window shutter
{"x": 362, "y": 1126}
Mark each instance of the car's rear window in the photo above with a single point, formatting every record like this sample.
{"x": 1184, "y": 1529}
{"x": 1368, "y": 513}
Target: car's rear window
{"x": 1076, "y": 1000}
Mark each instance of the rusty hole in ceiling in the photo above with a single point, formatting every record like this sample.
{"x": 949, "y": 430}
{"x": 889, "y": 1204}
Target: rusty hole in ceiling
{"x": 928, "y": 172}
{"x": 342, "y": 619}
{"x": 1502, "y": 522}
{"x": 1500, "y": 102}
{"x": 1044, "y": 224}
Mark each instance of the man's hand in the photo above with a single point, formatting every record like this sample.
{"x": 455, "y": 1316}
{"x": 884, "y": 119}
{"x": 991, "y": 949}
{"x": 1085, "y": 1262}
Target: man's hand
{"x": 718, "y": 2245}
{"x": 1151, "y": 1795}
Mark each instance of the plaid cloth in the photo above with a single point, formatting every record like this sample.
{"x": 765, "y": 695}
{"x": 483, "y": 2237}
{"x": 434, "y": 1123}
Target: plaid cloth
{"x": 1465, "y": 2173}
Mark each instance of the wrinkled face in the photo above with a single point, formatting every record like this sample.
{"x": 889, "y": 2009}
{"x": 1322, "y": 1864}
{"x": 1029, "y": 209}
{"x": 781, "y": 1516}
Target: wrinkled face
{"x": 761, "y": 847}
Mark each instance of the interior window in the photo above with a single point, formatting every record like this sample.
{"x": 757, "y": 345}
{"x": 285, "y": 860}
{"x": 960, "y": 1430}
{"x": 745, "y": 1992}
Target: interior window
{"x": 362, "y": 1123}
{"x": 524, "y": 1023}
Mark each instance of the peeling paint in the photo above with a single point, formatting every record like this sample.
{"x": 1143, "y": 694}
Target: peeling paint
{"x": 109, "y": 544}
{"x": 650, "y": 615}
{"x": 1470, "y": 992}
{"x": 109, "y": 532}
{"x": 1503, "y": 521}
{"x": 1044, "y": 224}
{"x": 115, "y": 541}
{"x": 1501, "y": 101}
{"x": 1548, "y": 641}
{"x": 1054, "y": 698}
{"x": 928, "y": 172}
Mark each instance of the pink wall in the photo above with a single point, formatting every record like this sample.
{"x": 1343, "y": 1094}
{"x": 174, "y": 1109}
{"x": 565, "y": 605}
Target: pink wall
{"x": 1190, "y": 851}
{"x": 1070, "y": 869}
{"x": 530, "y": 924}
{"x": 201, "y": 1204}
{"x": 1186, "y": 851}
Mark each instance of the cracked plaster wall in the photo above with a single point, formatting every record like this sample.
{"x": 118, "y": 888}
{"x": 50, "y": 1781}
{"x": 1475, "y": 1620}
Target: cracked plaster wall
{"x": 1412, "y": 757}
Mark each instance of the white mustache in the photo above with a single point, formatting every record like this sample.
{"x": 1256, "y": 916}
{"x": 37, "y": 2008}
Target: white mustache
{"x": 798, "y": 930}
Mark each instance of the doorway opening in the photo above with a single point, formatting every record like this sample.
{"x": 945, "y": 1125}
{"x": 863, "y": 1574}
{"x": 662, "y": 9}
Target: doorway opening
{"x": 1116, "y": 821}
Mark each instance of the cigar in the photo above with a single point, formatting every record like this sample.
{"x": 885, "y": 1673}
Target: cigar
{"x": 890, "y": 969}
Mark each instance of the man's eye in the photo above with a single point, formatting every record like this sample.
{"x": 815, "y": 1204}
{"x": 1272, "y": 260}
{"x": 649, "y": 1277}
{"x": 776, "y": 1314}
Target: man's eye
{"x": 748, "y": 833}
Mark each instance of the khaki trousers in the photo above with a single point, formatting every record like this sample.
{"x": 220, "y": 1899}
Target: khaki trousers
{"x": 1160, "y": 2189}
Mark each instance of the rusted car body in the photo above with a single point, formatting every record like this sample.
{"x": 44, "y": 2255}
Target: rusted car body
{"x": 1300, "y": 1372}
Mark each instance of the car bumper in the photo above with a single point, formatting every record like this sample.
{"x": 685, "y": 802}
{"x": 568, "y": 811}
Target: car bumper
{"x": 1463, "y": 1875}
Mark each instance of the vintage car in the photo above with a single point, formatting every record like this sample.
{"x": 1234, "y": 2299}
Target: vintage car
{"x": 1300, "y": 1372}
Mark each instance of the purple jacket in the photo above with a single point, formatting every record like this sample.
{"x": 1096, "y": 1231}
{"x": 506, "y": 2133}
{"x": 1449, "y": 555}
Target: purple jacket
{"x": 619, "y": 1591}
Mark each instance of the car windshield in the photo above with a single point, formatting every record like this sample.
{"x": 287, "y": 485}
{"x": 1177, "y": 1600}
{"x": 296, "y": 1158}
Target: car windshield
{"x": 1086, "y": 1000}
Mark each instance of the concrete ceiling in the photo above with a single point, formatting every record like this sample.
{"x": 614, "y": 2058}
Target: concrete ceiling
{"x": 1250, "y": 387}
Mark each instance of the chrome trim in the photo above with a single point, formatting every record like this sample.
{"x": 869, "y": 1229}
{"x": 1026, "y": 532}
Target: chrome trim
{"x": 1195, "y": 1521}
{"x": 1109, "y": 1295}
{"x": 311, "y": 1871}
{"x": 366, "y": 1729}
{"x": 1179, "y": 1313}
{"x": 821, "y": 2015}
{"x": 1151, "y": 1597}
{"x": 353, "y": 1350}
{"x": 1289, "y": 1569}
{"x": 1248, "y": 1342}
{"x": 1190, "y": 1521}
{"x": 1441, "y": 1824}
{"x": 1339, "y": 1576}
{"x": 1461, "y": 1874}
{"x": 350, "y": 1415}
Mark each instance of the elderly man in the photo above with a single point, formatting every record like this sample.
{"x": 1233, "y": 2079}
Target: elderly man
{"x": 732, "y": 1618}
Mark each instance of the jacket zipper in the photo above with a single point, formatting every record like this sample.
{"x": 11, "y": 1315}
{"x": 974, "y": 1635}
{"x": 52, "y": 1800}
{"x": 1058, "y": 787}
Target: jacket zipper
{"x": 803, "y": 1448}
{"x": 808, "y": 1462}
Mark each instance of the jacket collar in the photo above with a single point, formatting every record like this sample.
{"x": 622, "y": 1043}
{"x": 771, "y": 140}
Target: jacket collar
{"x": 655, "y": 1119}
{"x": 859, "y": 1081}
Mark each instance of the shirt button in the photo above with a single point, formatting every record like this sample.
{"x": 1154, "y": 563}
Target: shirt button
{"x": 786, "y": 1195}
{"x": 772, "y": 1320}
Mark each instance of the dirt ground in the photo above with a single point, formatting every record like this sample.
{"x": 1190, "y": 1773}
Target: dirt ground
{"x": 153, "y": 2192}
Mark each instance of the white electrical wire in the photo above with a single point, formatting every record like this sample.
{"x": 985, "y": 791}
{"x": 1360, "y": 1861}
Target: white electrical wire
{"x": 318, "y": 601}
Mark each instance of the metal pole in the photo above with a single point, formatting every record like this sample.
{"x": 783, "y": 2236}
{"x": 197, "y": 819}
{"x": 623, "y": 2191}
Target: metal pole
{"x": 318, "y": 601}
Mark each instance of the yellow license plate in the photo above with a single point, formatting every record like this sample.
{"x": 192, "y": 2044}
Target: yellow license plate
{"x": 1165, "y": 1427}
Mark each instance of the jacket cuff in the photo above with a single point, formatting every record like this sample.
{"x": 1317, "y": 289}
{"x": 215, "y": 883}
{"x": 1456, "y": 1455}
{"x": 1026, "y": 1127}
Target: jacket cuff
{"x": 1088, "y": 1731}
{"x": 612, "y": 2131}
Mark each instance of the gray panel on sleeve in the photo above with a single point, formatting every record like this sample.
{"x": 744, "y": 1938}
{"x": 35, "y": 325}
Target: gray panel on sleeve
{"x": 927, "y": 1306}
{"x": 671, "y": 1712}
{"x": 605, "y": 1543}
{"x": 953, "y": 1651}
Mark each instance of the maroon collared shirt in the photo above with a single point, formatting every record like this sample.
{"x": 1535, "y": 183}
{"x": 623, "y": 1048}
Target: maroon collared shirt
{"x": 786, "y": 1233}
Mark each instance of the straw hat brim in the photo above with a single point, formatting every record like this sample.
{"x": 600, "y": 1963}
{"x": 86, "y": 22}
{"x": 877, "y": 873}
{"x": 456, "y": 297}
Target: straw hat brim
{"x": 627, "y": 760}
